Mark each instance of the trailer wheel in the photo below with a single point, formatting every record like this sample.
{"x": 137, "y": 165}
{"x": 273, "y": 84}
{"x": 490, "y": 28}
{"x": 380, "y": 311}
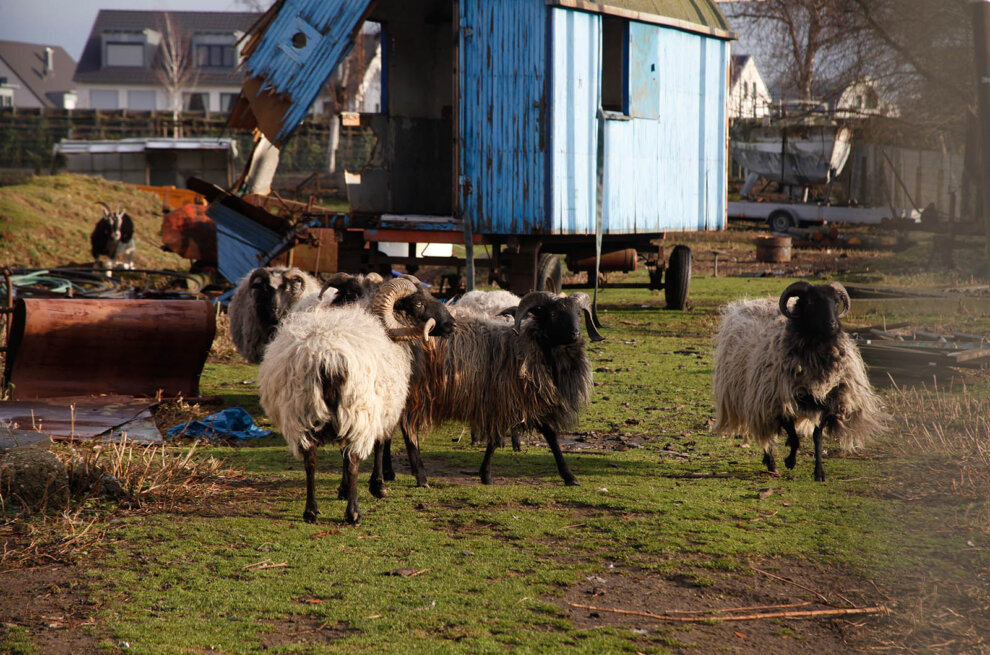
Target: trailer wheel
{"x": 678, "y": 278}
{"x": 548, "y": 275}
{"x": 780, "y": 221}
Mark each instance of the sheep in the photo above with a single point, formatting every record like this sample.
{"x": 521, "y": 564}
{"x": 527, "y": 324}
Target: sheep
{"x": 790, "y": 367}
{"x": 494, "y": 376}
{"x": 261, "y": 300}
{"x": 341, "y": 374}
{"x": 112, "y": 240}
{"x": 490, "y": 303}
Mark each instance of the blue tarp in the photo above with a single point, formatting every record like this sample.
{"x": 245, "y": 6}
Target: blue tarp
{"x": 233, "y": 423}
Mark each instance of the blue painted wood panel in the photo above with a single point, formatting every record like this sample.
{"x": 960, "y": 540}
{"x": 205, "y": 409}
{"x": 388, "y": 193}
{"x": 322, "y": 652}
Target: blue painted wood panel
{"x": 299, "y": 67}
{"x": 661, "y": 174}
{"x": 576, "y": 59}
{"x": 503, "y": 118}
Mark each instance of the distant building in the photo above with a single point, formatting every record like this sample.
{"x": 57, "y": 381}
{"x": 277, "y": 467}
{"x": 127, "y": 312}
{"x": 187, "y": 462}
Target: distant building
{"x": 864, "y": 98}
{"x": 749, "y": 97}
{"x": 120, "y": 64}
{"x": 35, "y": 76}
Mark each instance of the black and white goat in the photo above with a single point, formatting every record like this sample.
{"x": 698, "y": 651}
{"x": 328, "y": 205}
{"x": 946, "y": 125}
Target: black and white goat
{"x": 112, "y": 240}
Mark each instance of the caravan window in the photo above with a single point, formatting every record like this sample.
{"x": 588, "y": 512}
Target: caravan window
{"x": 615, "y": 64}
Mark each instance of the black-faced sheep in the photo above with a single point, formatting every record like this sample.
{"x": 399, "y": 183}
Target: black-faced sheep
{"x": 341, "y": 374}
{"x": 789, "y": 366}
{"x": 494, "y": 376}
{"x": 262, "y": 299}
{"x": 112, "y": 240}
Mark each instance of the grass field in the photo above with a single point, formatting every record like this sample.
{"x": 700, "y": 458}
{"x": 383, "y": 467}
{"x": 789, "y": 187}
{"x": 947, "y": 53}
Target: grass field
{"x": 668, "y": 520}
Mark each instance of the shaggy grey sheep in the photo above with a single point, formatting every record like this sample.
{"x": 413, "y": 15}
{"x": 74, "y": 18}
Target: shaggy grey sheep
{"x": 782, "y": 366}
{"x": 494, "y": 376}
{"x": 341, "y": 374}
{"x": 262, "y": 299}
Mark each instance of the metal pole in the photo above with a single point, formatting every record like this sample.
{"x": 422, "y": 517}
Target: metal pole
{"x": 981, "y": 49}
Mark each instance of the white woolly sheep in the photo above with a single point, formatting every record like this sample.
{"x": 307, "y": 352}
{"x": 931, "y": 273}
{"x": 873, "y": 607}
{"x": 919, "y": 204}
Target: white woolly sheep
{"x": 341, "y": 374}
{"x": 262, "y": 299}
{"x": 790, "y": 367}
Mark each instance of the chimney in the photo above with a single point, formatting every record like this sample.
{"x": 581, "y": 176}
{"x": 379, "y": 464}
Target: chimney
{"x": 48, "y": 61}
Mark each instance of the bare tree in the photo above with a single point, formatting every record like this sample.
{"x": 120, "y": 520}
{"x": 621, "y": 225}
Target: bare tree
{"x": 801, "y": 40}
{"x": 176, "y": 68}
{"x": 255, "y": 5}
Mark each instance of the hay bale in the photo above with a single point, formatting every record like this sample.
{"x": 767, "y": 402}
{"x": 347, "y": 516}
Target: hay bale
{"x": 33, "y": 479}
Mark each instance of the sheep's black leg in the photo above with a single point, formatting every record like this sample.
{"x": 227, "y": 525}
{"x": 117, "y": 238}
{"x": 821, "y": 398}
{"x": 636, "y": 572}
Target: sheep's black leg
{"x": 794, "y": 442}
{"x": 388, "y": 472}
{"x": 562, "y": 468}
{"x": 819, "y": 467}
{"x": 415, "y": 458}
{"x": 377, "y": 483}
{"x": 514, "y": 435}
{"x": 309, "y": 460}
{"x": 769, "y": 461}
{"x": 486, "y": 463}
{"x": 352, "y": 514}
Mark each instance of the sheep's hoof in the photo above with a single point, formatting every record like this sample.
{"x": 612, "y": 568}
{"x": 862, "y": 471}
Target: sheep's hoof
{"x": 572, "y": 482}
{"x": 354, "y": 518}
{"x": 790, "y": 461}
{"x": 309, "y": 516}
{"x": 486, "y": 479}
{"x": 378, "y": 489}
{"x": 819, "y": 475}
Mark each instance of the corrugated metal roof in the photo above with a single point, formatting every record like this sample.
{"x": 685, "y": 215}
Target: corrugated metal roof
{"x": 692, "y": 15}
{"x": 71, "y": 146}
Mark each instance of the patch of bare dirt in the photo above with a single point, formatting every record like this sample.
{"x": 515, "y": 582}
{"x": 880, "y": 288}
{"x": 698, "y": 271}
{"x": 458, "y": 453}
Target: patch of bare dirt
{"x": 298, "y": 629}
{"x": 53, "y": 604}
{"x": 783, "y": 587}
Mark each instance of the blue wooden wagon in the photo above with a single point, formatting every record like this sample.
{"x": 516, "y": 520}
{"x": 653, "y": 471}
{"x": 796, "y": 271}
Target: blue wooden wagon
{"x": 531, "y": 126}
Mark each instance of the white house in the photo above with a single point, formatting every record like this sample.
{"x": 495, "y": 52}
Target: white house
{"x": 749, "y": 97}
{"x": 864, "y": 98}
{"x": 35, "y": 76}
{"x": 121, "y": 62}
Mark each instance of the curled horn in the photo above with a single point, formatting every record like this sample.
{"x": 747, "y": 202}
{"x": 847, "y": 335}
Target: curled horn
{"x": 383, "y": 307}
{"x": 106, "y": 208}
{"x": 333, "y": 281}
{"x": 529, "y": 302}
{"x": 843, "y": 296}
{"x": 796, "y": 289}
{"x": 584, "y": 302}
{"x": 375, "y": 278}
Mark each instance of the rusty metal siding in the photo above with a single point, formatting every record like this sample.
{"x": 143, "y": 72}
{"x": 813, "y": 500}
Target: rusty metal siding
{"x": 503, "y": 113}
{"x": 661, "y": 174}
{"x": 301, "y": 72}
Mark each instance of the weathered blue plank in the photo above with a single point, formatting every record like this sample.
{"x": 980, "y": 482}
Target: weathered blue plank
{"x": 241, "y": 242}
{"x": 503, "y": 115}
{"x": 665, "y": 163}
{"x": 300, "y": 50}
{"x": 576, "y": 59}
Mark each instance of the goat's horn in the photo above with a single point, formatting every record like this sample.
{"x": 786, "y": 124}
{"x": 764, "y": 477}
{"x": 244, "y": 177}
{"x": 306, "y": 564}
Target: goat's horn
{"x": 796, "y": 289}
{"x": 333, "y": 281}
{"x": 583, "y": 301}
{"x": 384, "y": 304}
{"x": 529, "y": 302}
{"x": 843, "y": 296}
{"x": 374, "y": 277}
{"x": 104, "y": 205}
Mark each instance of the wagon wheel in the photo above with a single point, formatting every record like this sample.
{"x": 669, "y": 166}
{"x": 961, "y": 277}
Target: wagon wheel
{"x": 678, "y": 278}
{"x": 548, "y": 275}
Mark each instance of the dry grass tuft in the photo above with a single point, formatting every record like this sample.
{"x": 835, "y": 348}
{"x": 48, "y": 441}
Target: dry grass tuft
{"x": 223, "y": 349}
{"x": 135, "y": 476}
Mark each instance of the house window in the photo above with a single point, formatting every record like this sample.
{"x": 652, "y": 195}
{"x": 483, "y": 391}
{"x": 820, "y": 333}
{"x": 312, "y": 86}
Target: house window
{"x": 195, "y": 101}
{"x": 141, "y": 100}
{"x": 6, "y": 101}
{"x": 125, "y": 55}
{"x": 103, "y": 99}
{"x": 615, "y": 64}
{"x": 214, "y": 55}
{"x": 227, "y": 101}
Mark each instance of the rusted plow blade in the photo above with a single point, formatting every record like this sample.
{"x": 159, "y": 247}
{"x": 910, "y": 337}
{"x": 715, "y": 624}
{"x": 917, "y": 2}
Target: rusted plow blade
{"x": 83, "y": 347}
